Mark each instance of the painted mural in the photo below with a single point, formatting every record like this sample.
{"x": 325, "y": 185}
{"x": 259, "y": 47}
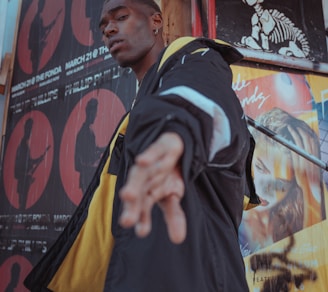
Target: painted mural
{"x": 282, "y": 240}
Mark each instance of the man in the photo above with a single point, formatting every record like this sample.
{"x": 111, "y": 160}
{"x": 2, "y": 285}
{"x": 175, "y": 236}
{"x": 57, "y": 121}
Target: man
{"x": 163, "y": 212}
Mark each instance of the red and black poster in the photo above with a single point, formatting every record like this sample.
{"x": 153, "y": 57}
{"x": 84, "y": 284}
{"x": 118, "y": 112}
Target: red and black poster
{"x": 66, "y": 99}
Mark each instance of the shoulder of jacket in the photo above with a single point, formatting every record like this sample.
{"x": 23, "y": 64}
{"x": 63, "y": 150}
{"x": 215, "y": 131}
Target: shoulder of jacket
{"x": 229, "y": 53}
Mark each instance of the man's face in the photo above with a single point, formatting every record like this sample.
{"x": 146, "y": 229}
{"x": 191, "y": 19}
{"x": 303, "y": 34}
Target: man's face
{"x": 127, "y": 31}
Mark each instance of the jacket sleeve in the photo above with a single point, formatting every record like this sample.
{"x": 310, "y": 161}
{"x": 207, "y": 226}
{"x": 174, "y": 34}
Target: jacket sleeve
{"x": 193, "y": 98}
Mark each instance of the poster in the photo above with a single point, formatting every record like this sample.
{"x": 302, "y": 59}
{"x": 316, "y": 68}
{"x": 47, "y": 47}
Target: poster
{"x": 66, "y": 99}
{"x": 283, "y": 240}
{"x": 284, "y": 33}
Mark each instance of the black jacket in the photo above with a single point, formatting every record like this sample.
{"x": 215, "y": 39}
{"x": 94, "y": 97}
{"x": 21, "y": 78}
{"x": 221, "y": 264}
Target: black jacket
{"x": 189, "y": 92}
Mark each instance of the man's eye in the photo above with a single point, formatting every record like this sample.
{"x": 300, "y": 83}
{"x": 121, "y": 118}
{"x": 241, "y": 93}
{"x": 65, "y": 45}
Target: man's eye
{"x": 102, "y": 28}
{"x": 122, "y": 17}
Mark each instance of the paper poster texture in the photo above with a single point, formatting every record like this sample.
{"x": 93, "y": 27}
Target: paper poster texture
{"x": 66, "y": 100}
{"x": 282, "y": 240}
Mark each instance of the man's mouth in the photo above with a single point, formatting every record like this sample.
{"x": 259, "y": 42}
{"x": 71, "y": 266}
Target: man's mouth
{"x": 113, "y": 45}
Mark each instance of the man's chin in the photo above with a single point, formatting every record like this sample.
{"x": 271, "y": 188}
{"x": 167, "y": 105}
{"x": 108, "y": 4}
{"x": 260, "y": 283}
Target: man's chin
{"x": 122, "y": 62}
{"x": 123, "y": 65}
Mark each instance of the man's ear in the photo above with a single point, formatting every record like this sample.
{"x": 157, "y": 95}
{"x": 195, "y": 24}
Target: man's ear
{"x": 157, "y": 21}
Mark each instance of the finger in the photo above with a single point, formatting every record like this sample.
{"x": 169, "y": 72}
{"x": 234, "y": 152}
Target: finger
{"x": 136, "y": 198}
{"x": 159, "y": 173}
{"x": 142, "y": 179}
{"x": 135, "y": 183}
{"x": 168, "y": 145}
{"x": 161, "y": 158}
{"x": 175, "y": 219}
{"x": 131, "y": 195}
{"x": 173, "y": 184}
{"x": 159, "y": 170}
{"x": 151, "y": 155}
{"x": 130, "y": 215}
{"x": 144, "y": 224}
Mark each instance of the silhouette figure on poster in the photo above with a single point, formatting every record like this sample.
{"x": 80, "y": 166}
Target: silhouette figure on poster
{"x": 87, "y": 153}
{"x": 14, "y": 278}
{"x": 25, "y": 165}
{"x": 38, "y": 36}
{"x": 92, "y": 12}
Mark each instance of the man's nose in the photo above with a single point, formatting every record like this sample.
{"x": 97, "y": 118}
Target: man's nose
{"x": 110, "y": 29}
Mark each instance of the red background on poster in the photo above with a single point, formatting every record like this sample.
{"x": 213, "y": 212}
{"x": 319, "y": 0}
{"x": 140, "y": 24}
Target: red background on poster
{"x": 52, "y": 9}
{"x": 110, "y": 111}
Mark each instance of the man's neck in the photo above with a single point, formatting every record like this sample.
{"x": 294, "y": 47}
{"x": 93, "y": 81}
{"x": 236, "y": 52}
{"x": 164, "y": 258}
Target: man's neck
{"x": 140, "y": 69}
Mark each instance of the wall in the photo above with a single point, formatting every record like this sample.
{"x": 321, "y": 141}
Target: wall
{"x": 282, "y": 85}
{"x": 52, "y": 96}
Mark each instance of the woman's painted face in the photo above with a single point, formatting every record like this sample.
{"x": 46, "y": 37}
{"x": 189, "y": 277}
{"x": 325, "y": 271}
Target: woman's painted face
{"x": 273, "y": 174}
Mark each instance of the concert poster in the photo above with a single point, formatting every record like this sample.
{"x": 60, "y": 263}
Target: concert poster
{"x": 66, "y": 100}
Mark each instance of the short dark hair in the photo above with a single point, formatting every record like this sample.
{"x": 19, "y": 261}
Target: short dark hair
{"x": 149, "y": 3}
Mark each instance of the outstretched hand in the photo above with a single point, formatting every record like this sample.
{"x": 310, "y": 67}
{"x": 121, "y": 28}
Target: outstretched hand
{"x": 155, "y": 178}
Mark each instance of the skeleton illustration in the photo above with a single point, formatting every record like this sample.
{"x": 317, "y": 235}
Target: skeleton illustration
{"x": 270, "y": 25}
